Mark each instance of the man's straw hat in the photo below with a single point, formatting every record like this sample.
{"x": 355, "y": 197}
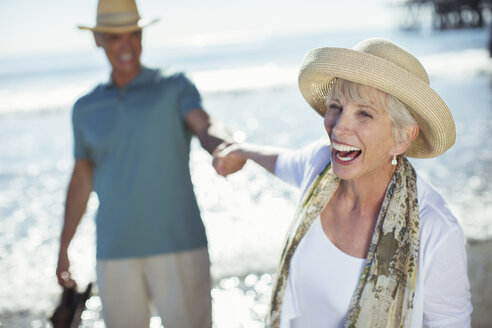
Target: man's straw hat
{"x": 118, "y": 16}
{"x": 386, "y": 66}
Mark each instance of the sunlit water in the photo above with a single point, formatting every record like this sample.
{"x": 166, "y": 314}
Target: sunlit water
{"x": 253, "y": 90}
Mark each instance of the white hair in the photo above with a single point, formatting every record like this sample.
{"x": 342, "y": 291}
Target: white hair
{"x": 399, "y": 113}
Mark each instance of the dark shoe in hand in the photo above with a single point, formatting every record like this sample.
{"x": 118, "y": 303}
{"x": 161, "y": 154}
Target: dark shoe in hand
{"x": 69, "y": 311}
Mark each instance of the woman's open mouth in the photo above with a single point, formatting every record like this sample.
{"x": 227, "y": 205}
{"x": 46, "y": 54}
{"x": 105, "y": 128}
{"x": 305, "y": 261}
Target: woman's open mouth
{"x": 345, "y": 153}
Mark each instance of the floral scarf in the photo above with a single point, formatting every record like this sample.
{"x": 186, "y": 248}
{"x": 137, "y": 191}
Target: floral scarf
{"x": 384, "y": 294}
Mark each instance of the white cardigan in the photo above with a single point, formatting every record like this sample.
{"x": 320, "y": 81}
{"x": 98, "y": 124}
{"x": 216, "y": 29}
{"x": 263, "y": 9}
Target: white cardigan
{"x": 442, "y": 294}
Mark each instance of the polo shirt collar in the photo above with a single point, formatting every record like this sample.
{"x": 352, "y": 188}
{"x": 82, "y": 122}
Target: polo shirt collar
{"x": 144, "y": 76}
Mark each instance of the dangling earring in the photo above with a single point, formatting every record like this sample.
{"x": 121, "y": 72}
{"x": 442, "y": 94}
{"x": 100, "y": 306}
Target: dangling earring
{"x": 394, "y": 162}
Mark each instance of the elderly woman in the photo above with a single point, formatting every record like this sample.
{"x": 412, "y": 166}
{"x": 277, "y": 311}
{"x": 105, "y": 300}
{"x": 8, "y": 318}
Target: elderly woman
{"x": 372, "y": 244}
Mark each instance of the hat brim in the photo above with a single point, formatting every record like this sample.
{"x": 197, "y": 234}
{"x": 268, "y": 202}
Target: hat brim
{"x": 437, "y": 130}
{"x": 120, "y": 28}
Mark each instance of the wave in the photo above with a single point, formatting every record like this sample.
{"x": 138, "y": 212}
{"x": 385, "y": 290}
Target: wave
{"x": 460, "y": 64}
{"x": 245, "y": 78}
{"x": 40, "y": 99}
{"x": 58, "y": 95}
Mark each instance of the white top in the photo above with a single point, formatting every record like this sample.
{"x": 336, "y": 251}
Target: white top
{"x": 442, "y": 293}
{"x": 323, "y": 279}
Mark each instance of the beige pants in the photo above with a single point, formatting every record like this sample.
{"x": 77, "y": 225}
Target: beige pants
{"x": 177, "y": 283}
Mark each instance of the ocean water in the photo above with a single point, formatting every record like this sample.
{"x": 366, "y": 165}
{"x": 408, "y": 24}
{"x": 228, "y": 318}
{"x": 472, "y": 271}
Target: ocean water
{"x": 252, "y": 89}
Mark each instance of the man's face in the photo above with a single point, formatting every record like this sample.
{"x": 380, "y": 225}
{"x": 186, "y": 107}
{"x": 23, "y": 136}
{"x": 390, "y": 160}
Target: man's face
{"x": 123, "y": 51}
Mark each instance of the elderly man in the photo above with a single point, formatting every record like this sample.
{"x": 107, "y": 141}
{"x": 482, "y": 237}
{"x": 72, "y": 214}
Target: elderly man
{"x": 131, "y": 144}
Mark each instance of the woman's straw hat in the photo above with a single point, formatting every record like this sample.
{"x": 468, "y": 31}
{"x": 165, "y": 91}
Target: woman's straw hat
{"x": 118, "y": 16}
{"x": 386, "y": 66}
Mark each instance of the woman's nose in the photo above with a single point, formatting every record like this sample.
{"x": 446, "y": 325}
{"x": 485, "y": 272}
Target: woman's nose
{"x": 341, "y": 123}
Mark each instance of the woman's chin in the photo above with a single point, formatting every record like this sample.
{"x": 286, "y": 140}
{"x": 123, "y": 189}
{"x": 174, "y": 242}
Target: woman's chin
{"x": 344, "y": 172}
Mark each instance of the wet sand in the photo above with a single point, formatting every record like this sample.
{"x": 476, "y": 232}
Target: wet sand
{"x": 480, "y": 273}
{"x": 237, "y": 302}
{"x": 244, "y": 301}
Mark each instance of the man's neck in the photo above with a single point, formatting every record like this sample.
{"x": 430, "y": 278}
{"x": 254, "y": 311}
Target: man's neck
{"x": 121, "y": 80}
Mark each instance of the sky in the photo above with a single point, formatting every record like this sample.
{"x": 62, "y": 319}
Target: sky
{"x": 32, "y": 27}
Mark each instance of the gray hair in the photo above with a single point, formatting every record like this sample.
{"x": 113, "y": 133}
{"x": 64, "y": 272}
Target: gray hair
{"x": 399, "y": 113}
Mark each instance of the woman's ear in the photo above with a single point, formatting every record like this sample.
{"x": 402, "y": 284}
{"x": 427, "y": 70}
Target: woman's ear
{"x": 411, "y": 132}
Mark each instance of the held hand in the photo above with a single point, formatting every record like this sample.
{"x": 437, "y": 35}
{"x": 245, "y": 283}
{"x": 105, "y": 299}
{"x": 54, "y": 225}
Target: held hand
{"x": 228, "y": 159}
{"x": 62, "y": 271}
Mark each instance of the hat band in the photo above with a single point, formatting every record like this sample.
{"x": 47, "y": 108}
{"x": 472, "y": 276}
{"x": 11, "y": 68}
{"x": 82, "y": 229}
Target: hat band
{"x": 118, "y": 19}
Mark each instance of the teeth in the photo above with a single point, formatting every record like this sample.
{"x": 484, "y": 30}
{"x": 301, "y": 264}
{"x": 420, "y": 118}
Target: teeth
{"x": 344, "y": 159}
{"x": 126, "y": 57}
{"x": 339, "y": 147}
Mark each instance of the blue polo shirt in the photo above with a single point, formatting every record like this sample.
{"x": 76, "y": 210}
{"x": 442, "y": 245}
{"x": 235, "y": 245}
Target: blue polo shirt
{"x": 139, "y": 144}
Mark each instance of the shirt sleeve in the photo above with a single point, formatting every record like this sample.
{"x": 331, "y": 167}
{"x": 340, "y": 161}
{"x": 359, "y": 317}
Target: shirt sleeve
{"x": 189, "y": 97}
{"x": 80, "y": 150}
{"x": 447, "y": 299}
{"x": 300, "y": 167}
{"x": 290, "y": 167}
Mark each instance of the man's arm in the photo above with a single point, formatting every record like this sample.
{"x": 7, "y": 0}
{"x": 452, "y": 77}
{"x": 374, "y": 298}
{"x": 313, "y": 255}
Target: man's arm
{"x": 210, "y": 132}
{"x": 78, "y": 193}
{"x": 229, "y": 157}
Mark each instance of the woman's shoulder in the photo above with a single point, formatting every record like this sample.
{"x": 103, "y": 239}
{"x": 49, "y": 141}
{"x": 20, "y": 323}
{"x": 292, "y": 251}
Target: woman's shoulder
{"x": 437, "y": 221}
{"x": 314, "y": 152}
{"x": 318, "y": 151}
{"x": 320, "y": 144}
{"x": 317, "y": 155}
{"x": 298, "y": 167}
{"x": 432, "y": 204}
